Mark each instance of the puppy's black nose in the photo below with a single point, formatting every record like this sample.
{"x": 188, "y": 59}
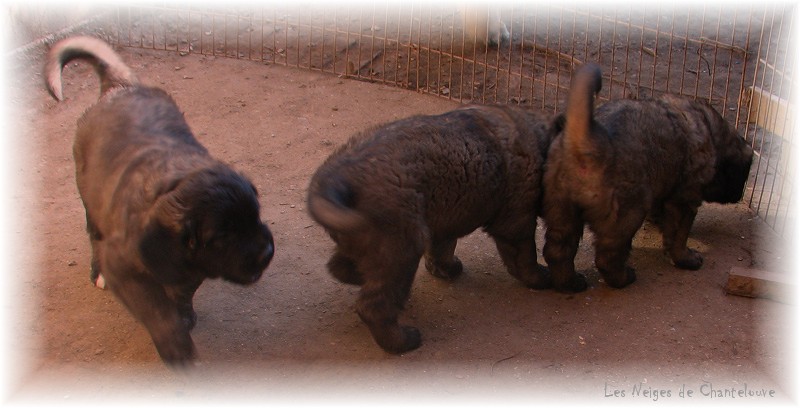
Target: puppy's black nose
{"x": 267, "y": 254}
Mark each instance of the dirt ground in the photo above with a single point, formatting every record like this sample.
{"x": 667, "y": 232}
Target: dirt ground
{"x": 294, "y": 337}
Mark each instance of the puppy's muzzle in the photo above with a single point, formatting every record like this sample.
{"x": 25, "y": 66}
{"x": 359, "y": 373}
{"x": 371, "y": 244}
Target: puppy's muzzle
{"x": 266, "y": 255}
{"x": 263, "y": 258}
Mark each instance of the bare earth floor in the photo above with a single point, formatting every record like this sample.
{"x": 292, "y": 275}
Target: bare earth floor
{"x": 294, "y": 335}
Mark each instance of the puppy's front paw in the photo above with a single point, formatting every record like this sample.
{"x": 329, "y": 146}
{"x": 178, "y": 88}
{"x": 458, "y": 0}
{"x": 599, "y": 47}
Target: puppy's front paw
{"x": 344, "y": 270}
{"x": 539, "y": 278}
{"x": 392, "y": 337}
{"x": 575, "y": 283}
{"x": 448, "y": 271}
{"x": 177, "y": 352}
{"x": 409, "y": 339}
{"x": 690, "y": 259}
{"x": 619, "y": 280}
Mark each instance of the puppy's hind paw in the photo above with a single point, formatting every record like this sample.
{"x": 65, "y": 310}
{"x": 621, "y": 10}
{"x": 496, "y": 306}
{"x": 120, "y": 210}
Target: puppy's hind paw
{"x": 95, "y": 276}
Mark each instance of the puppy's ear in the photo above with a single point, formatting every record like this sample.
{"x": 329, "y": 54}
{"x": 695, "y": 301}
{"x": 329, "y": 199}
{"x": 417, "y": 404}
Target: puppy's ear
{"x": 171, "y": 209}
{"x": 164, "y": 252}
{"x": 167, "y": 240}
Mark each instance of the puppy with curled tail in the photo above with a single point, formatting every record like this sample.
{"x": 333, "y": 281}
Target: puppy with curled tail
{"x": 332, "y": 206}
{"x": 411, "y": 188}
{"x": 629, "y": 160}
{"x": 161, "y": 213}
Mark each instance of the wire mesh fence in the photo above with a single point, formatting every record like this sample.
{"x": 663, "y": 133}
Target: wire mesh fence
{"x": 737, "y": 57}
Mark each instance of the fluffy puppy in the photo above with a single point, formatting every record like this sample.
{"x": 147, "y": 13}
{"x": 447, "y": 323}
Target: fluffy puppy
{"x": 413, "y": 187}
{"x": 629, "y": 160}
{"x": 161, "y": 213}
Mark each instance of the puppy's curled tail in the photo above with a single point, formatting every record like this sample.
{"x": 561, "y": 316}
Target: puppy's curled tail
{"x": 586, "y": 83}
{"x": 109, "y": 66}
{"x": 331, "y": 204}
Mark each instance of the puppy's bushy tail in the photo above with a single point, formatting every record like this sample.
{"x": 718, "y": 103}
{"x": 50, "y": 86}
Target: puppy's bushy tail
{"x": 109, "y": 66}
{"x": 331, "y": 202}
{"x": 578, "y": 129}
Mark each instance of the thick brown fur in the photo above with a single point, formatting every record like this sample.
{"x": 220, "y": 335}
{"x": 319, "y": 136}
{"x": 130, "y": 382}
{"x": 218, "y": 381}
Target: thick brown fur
{"x": 161, "y": 213}
{"x": 413, "y": 187}
{"x": 629, "y": 160}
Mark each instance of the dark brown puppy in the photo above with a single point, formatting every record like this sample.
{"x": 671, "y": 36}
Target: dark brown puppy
{"x": 162, "y": 214}
{"x": 660, "y": 158}
{"x": 415, "y": 186}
